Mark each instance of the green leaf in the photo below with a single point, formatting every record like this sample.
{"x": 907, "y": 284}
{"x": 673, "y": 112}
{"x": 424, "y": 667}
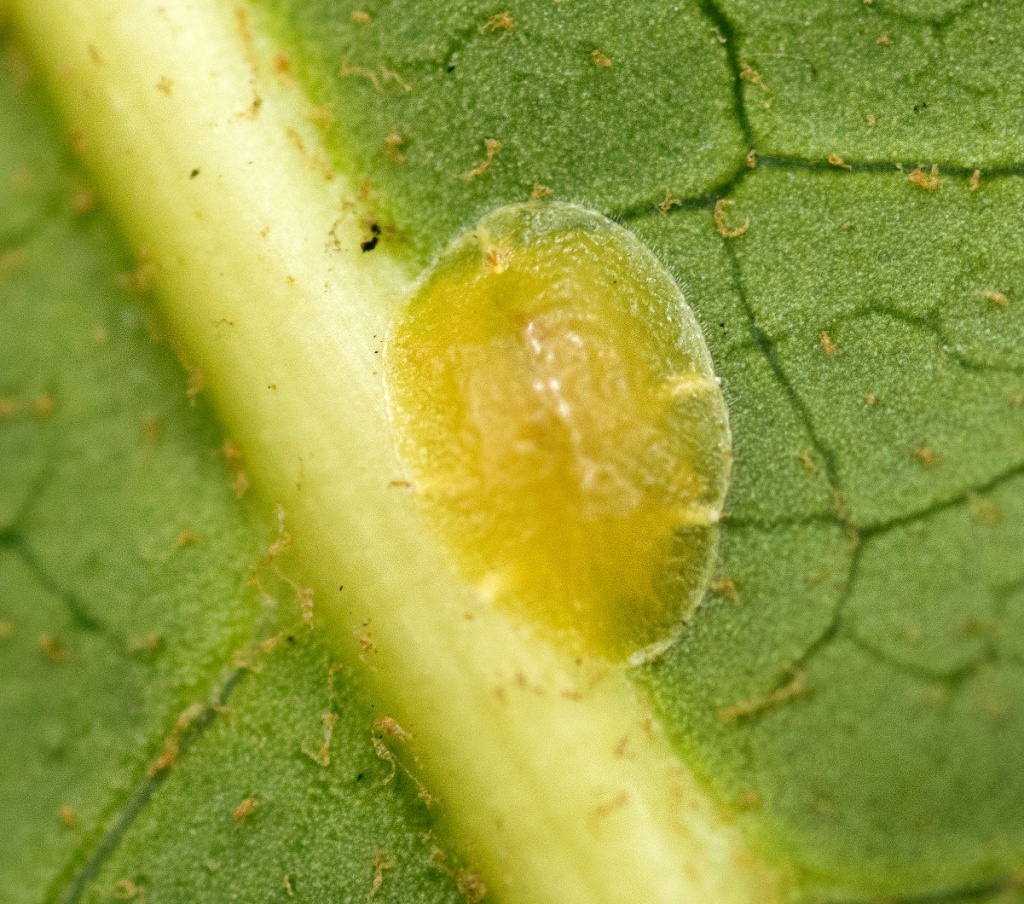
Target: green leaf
{"x": 851, "y": 688}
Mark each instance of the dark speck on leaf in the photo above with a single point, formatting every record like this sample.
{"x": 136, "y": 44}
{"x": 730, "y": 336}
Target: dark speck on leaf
{"x": 371, "y": 242}
{"x": 919, "y": 107}
{"x": 193, "y": 174}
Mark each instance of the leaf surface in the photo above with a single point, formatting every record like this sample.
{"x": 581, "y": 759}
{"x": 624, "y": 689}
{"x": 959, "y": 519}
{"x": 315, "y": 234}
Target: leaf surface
{"x": 852, "y": 687}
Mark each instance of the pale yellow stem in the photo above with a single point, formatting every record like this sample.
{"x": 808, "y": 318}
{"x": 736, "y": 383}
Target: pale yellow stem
{"x": 550, "y": 773}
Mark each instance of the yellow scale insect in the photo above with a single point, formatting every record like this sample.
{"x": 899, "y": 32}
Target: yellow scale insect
{"x": 554, "y": 404}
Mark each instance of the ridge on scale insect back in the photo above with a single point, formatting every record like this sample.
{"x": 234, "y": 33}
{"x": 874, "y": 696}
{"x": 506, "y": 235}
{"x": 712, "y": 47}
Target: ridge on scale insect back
{"x": 553, "y": 402}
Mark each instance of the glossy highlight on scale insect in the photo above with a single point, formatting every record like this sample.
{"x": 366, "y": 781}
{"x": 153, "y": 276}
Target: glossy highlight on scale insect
{"x": 553, "y": 402}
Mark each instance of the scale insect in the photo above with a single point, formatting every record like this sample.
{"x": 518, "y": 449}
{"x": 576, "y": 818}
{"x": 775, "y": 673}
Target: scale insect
{"x": 553, "y": 403}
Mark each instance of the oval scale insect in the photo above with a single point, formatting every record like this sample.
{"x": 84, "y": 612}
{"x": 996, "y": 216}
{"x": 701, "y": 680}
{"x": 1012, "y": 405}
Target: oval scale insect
{"x": 553, "y": 402}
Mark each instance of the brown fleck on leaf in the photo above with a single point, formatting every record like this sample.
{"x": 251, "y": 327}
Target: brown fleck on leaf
{"x": 925, "y": 455}
{"x": 667, "y": 203}
{"x": 245, "y": 809}
{"x": 491, "y": 147}
{"x": 724, "y": 586}
{"x": 381, "y": 861}
{"x": 796, "y": 687}
{"x": 721, "y": 216}
{"x": 749, "y": 74}
{"x": 43, "y": 405}
{"x": 52, "y": 649}
{"x": 929, "y": 180}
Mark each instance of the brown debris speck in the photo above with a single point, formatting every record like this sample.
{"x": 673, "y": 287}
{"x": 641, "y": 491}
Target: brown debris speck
{"x": 929, "y": 180}
{"x": 836, "y": 160}
{"x": 381, "y": 861}
{"x": 187, "y": 538}
{"x": 287, "y": 886}
{"x": 997, "y": 298}
{"x": 975, "y": 182}
{"x": 925, "y": 455}
{"x": 796, "y": 687}
{"x": 152, "y": 430}
{"x": 68, "y": 817}
{"x": 749, "y": 74}
{"x": 884, "y": 39}
{"x": 600, "y": 59}
{"x": 808, "y": 463}
{"x": 387, "y": 75}
{"x": 172, "y": 743}
{"x": 323, "y": 756}
{"x": 52, "y": 649}
{"x": 502, "y": 22}
{"x": 283, "y": 66}
{"x": 721, "y": 217}
{"x": 245, "y": 809}
{"x": 667, "y": 203}
{"x": 195, "y": 383}
{"x": 126, "y": 890}
{"x": 145, "y": 644}
{"x": 871, "y": 398}
{"x": 751, "y": 158}
{"x": 165, "y": 85}
{"x": 360, "y": 18}
{"x": 826, "y": 343}
{"x": 392, "y": 143}
{"x": 388, "y": 727}
{"x": 82, "y": 199}
{"x": 539, "y": 191}
{"x": 491, "y": 147}
{"x": 724, "y": 586}
{"x": 985, "y": 511}
{"x": 360, "y": 71}
{"x": 240, "y": 484}
{"x": 322, "y": 116}
{"x": 606, "y": 809}
{"x": 469, "y": 884}
{"x": 305, "y": 598}
{"x": 43, "y": 405}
